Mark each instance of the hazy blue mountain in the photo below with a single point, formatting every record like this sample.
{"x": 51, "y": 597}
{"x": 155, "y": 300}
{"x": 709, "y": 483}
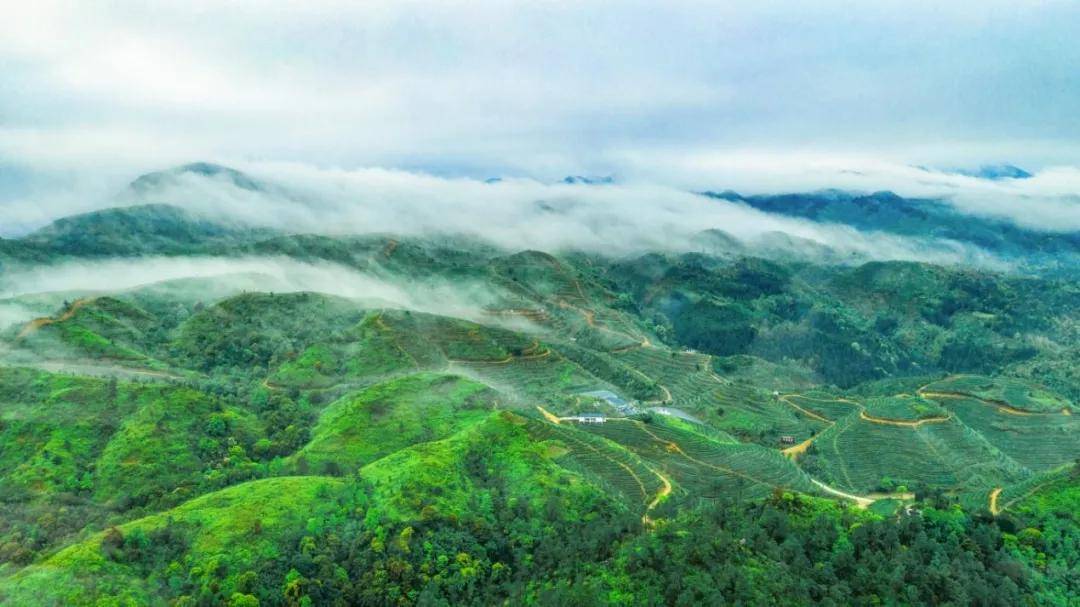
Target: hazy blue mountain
{"x": 583, "y": 180}
{"x": 997, "y": 171}
{"x": 918, "y": 217}
{"x": 151, "y": 181}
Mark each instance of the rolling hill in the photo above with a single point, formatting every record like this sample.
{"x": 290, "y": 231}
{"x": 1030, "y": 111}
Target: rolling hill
{"x": 451, "y": 422}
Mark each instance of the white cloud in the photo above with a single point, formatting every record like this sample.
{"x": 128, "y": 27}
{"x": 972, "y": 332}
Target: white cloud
{"x": 526, "y": 86}
{"x": 1050, "y": 200}
{"x": 516, "y": 213}
{"x": 755, "y": 96}
{"x": 225, "y": 276}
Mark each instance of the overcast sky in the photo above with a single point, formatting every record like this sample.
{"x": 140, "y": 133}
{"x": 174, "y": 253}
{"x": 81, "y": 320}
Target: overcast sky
{"x": 683, "y": 93}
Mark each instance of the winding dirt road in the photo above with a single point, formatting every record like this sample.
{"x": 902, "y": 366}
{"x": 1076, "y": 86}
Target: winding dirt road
{"x": 44, "y": 321}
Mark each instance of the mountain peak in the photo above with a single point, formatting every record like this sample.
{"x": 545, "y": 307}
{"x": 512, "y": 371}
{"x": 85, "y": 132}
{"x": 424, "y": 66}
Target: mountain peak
{"x": 151, "y": 181}
{"x": 583, "y": 180}
{"x": 996, "y": 172}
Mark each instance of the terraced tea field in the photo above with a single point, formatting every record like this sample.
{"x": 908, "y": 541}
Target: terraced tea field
{"x": 904, "y": 407}
{"x": 1004, "y": 392}
{"x": 1039, "y": 440}
{"x": 704, "y": 465}
{"x": 540, "y": 377}
{"x": 858, "y": 455}
{"x": 612, "y": 464}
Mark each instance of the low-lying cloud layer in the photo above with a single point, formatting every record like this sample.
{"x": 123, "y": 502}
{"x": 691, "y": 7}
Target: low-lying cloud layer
{"x": 216, "y": 277}
{"x": 1049, "y": 200}
{"x": 759, "y": 96}
{"x": 519, "y": 213}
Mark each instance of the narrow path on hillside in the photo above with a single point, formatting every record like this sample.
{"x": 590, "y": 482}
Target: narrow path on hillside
{"x": 863, "y": 415}
{"x": 797, "y": 450}
{"x": 1001, "y": 407}
{"x": 673, "y": 447}
{"x": 861, "y": 502}
{"x": 662, "y": 401}
{"x": 1029, "y": 492}
{"x": 524, "y": 356}
{"x": 548, "y": 415}
{"x": 590, "y": 319}
{"x": 45, "y": 321}
{"x": 994, "y": 501}
{"x": 1025, "y": 495}
{"x": 665, "y": 490}
{"x": 786, "y": 398}
{"x": 665, "y": 482}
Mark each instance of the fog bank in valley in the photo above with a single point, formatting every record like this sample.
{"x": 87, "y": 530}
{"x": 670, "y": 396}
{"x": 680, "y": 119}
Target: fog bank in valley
{"x": 216, "y": 277}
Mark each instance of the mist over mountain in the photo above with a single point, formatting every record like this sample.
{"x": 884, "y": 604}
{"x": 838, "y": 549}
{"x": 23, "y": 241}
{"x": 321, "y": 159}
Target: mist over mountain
{"x": 887, "y": 212}
{"x": 997, "y": 172}
{"x": 544, "y": 304}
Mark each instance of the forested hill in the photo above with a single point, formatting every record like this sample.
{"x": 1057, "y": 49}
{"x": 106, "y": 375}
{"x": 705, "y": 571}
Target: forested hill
{"x": 198, "y": 412}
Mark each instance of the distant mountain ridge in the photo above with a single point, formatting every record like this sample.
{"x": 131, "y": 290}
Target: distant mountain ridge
{"x": 140, "y": 229}
{"x": 918, "y": 217}
{"x": 997, "y": 172}
{"x": 584, "y": 180}
{"x": 151, "y": 181}
{"x": 147, "y": 222}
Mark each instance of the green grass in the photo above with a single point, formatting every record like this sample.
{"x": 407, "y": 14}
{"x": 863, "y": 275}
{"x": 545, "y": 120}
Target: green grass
{"x": 531, "y": 380}
{"x": 157, "y": 448}
{"x": 388, "y": 342}
{"x": 766, "y": 374}
{"x": 368, "y": 351}
{"x": 736, "y": 407}
{"x": 75, "y": 450}
{"x": 362, "y": 427}
{"x": 100, "y": 328}
{"x": 230, "y": 530}
{"x": 256, "y": 329}
{"x": 53, "y": 428}
{"x": 824, "y": 404}
{"x": 453, "y": 477}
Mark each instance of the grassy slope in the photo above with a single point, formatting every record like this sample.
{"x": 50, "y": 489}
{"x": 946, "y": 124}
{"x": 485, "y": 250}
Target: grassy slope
{"x": 246, "y": 526}
{"x": 450, "y": 477}
{"x": 362, "y": 427}
{"x": 254, "y": 329}
{"x": 74, "y": 450}
{"x": 157, "y": 448}
{"x": 221, "y": 526}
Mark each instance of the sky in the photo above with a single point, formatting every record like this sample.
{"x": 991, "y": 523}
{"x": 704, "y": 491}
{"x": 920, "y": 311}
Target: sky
{"x": 759, "y": 96}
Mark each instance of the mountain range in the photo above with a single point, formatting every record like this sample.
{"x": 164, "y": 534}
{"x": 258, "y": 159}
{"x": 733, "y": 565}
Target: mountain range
{"x": 195, "y": 411}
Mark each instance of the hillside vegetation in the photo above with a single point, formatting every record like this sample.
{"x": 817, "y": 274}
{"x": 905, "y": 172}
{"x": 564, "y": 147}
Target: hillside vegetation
{"x": 445, "y": 422}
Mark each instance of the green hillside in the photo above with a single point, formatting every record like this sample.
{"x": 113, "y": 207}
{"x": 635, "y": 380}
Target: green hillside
{"x": 497, "y": 426}
{"x": 377, "y": 421}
